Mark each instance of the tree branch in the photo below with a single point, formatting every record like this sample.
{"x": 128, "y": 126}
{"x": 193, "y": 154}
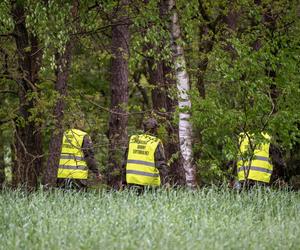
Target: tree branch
{"x": 8, "y": 92}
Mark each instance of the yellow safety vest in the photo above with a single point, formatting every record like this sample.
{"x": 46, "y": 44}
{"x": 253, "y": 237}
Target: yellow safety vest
{"x": 72, "y": 164}
{"x": 260, "y": 169}
{"x": 140, "y": 167}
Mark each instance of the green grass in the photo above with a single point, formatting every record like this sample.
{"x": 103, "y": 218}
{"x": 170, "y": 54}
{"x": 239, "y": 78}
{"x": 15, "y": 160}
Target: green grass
{"x": 206, "y": 219}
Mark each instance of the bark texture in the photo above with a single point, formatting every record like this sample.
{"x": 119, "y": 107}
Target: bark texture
{"x": 61, "y": 86}
{"x": 2, "y": 163}
{"x": 28, "y": 141}
{"x": 207, "y": 31}
{"x": 63, "y": 65}
{"x": 164, "y": 105}
{"x": 118, "y": 138}
{"x": 177, "y": 173}
{"x": 158, "y": 94}
{"x": 184, "y": 103}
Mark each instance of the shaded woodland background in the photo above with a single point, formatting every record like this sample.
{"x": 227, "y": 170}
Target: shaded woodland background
{"x": 207, "y": 70}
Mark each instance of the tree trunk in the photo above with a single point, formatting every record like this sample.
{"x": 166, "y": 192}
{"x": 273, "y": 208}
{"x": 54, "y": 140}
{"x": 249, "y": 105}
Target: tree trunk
{"x": 2, "y": 163}
{"x": 145, "y": 100}
{"x": 164, "y": 104}
{"x": 270, "y": 22}
{"x": 61, "y": 86}
{"x": 184, "y": 103}
{"x": 119, "y": 94}
{"x": 63, "y": 65}
{"x": 205, "y": 45}
{"x": 231, "y": 20}
{"x": 172, "y": 147}
{"x": 158, "y": 93}
{"x": 28, "y": 141}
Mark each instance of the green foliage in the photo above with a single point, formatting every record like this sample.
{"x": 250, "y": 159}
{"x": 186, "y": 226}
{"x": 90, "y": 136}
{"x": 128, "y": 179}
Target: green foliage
{"x": 240, "y": 80}
{"x": 249, "y": 89}
{"x": 150, "y": 35}
{"x": 206, "y": 219}
{"x": 51, "y": 23}
{"x": 6, "y": 23}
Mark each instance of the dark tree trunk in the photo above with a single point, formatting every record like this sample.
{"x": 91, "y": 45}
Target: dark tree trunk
{"x": 2, "y": 163}
{"x": 61, "y": 86}
{"x": 63, "y": 65}
{"x": 231, "y": 20}
{"x": 270, "y": 22}
{"x": 119, "y": 94}
{"x": 145, "y": 100}
{"x": 142, "y": 90}
{"x": 28, "y": 142}
{"x": 177, "y": 175}
{"x": 164, "y": 106}
{"x": 157, "y": 80}
{"x": 205, "y": 45}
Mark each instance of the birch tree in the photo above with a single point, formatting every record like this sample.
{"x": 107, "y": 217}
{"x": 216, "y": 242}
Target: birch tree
{"x": 184, "y": 103}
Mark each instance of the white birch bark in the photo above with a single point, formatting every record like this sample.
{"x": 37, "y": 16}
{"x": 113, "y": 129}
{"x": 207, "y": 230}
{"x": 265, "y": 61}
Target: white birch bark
{"x": 184, "y": 103}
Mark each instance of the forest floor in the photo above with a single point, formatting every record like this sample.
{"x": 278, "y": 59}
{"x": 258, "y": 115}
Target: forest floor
{"x": 178, "y": 219}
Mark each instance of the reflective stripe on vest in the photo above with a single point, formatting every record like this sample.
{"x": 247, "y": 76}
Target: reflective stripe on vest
{"x": 260, "y": 169}
{"x": 264, "y": 170}
{"x": 260, "y": 158}
{"x": 72, "y": 164}
{"x": 141, "y": 173}
{"x": 72, "y": 157}
{"x": 140, "y": 167}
